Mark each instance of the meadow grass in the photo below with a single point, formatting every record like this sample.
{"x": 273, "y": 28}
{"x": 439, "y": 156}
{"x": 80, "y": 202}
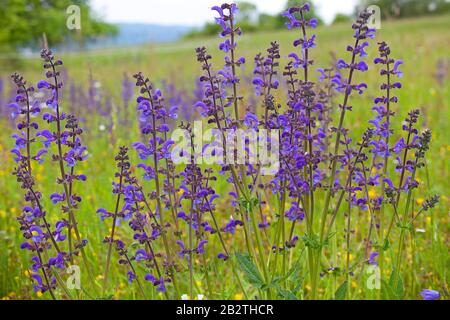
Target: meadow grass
{"x": 420, "y": 43}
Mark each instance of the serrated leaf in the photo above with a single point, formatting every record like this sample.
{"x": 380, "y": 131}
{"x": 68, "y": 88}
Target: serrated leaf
{"x": 251, "y": 272}
{"x": 341, "y": 292}
{"x": 396, "y": 284}
{"x": 286, "y": 294}
{"x": 293, "y": 272}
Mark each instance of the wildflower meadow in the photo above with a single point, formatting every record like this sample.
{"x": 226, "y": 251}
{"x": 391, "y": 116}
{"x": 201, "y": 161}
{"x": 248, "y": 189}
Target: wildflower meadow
{"x": 309, "y": 163}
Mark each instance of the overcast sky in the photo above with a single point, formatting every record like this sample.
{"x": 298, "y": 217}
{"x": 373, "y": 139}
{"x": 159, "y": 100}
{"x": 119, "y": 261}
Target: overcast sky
{"x": 196, "y": 12}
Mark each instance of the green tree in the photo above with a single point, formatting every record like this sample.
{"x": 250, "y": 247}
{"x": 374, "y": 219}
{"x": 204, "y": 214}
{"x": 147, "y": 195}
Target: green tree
{"x": 391, "y": 9}
{"x": 341, "y": 17}
{"x": 297, "y": 3}
{"x": 23, "y": 23}
{"x": 248, "y": 12}
{"x": 247, "y": 19}
{"x": 267, "y": 22}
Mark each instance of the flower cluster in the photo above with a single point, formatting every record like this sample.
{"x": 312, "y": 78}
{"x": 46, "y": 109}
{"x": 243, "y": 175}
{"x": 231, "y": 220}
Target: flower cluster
{"x": 174, "y": 226}
{"x": 66, "y": 137}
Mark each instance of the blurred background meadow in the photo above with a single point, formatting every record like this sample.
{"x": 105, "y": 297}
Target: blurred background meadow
{"x": 100, "y": 59}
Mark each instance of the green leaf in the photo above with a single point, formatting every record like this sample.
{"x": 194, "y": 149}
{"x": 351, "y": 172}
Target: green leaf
{"x": 249, "y": 204}
{"x": 299, "y": 286}
{"x": 311, "y": 241}
{"x": 396, "y": 284}
{"x": 286, "y": 294}
{"x": 251, "y": 271}
{"x": 326, "y": 242}
{"x": 386, "y": 291}
{"x": 386, "y": 244}
{"x": 293, "y": 272}
{"x": 341, "y": 292}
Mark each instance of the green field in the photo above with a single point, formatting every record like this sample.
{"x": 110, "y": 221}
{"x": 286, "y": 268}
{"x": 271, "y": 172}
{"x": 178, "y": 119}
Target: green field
{"x": 420, "y": 43}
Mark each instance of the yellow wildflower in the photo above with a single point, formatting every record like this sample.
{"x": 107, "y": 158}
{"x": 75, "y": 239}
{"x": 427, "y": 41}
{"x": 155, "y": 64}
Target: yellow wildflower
{"x": 238, "y": 296}
{"x": 75, "y": 235}
{"x": 420, "y": 201}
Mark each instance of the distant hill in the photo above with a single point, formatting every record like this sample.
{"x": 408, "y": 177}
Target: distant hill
{"x": 132, "y": 34}
{"x": 138, "y": 33}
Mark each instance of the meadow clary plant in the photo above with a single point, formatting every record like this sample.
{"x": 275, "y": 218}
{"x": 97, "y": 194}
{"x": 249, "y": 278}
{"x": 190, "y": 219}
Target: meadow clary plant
{"x": 279, "y": 231}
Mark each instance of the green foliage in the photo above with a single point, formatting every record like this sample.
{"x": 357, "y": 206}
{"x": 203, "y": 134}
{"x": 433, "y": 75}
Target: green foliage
{"x": 392, "y": 9}
{"x": 341, "y": 18}
{"x": 250, "y": 20}
{"x": 23, "y": 23}
{"x": 396, "y": 284}
{"x": 252, "y": 275}
{"x": 341, "y": 292}
{"x": 312, "y": 8}
{"x": 247, "y": 12}
{"x": 209, "y": 29}
{"x": 431, "y": 269}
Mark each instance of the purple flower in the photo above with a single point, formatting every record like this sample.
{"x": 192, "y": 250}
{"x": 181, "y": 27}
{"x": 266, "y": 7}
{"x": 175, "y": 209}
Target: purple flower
{"x": 49, "y": 138}
{"x": 38, "y": 279}
{"x": 222, "y": 256}
{"x": 372, "y": 257}
{"x": 201, "y": 244}
{"x": 183, "y": 252}
{"x": 428, "y": 294}
{"x": 36, "y": 233}
{"x": 42, "y": 84}
{"x": 264, "y": 224}
{"x": 231, "y": 226}
{"x": 104, "y": 213}
{"x": 56, "y": 197}
{"x": 131, "y": 276}
{"x": 156, "y": 282}
{"x": 57, "y": 262}
{"x": 399, "y": 146}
